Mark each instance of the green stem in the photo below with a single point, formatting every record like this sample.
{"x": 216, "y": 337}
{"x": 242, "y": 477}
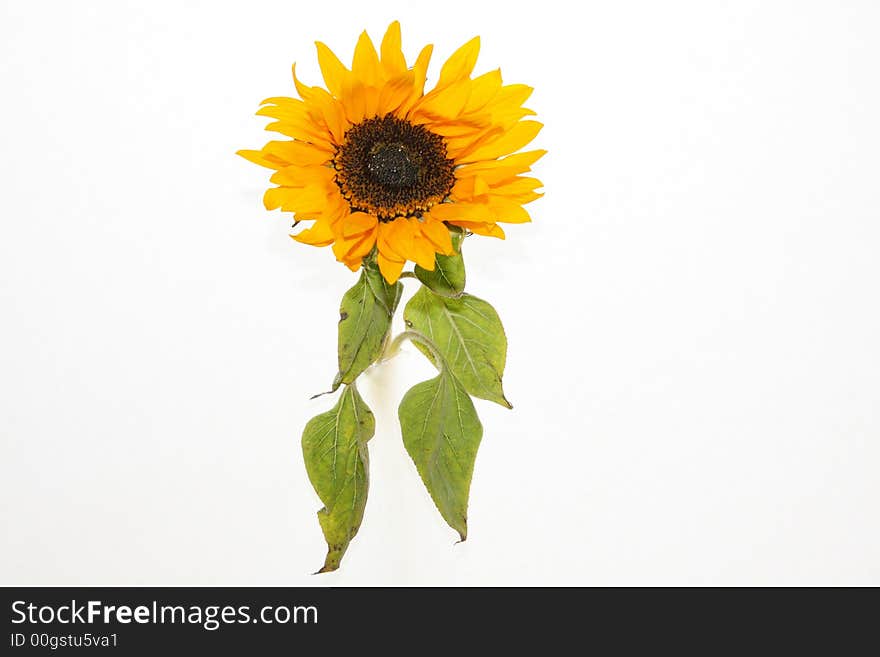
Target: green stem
{"x": 408, "y": 274}
{"x": 415, "y": 336}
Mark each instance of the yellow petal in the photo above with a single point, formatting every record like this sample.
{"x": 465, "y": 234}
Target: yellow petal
{"x": 258, "y": 157}
{"x": 298, "y": 152}
{"x": 514, "y": 139}
{"x": 437, "y": 233}
{"x": 283, "y": 108}
{"x": 468, "y": 188}
{"x": 274, "y": 197}
{"x": 518, "y": 163}
{"x": 467, "y": 127}
{"x": 371, "y": 101}
{"x": 354, "y": 263}
{"x": 306, "y": 200}
{"x": 335, "y": 210}
{"x": 295, "y": 121}
{"x": 509, "y": 212}
{"x": 456, "y": 147}
{"x": 395, "y": 93}
{"x": 350, "y": 249}
{"x": 508, "y": 118}
{"x": 481, "y": 228}
{"x": 442, "y": 103}
{"x": 318, "y": 235}
{"x": 422, "y": 253}
{"x": 334, "y": 72}
{"x": 461, "y": 63}
{"x": 304, "y": 92}
{"x": 280, "y": 100}
{"x": 282, "y": 149}
{"x": 303, "y": 176}
{"x": 420, "y": 68}
{"x": 420, "y": 72}
{"x": 512, "y": 95}
{"x": 453, "y": 212}
{"x": 393, "y": 62}
{"x": 334, "y": 117}
{"x": 395, "y": 238}
{"x": 322, "y": 105}
{"x": 303, "y": 132}
{"x": 354, "y": 102}
{"x": 365, "y": 63}
{"x": 390, "y": 268}
{"x": 364, "y": 246}
{"x": 491, "y": 176}
{"x": 357, "y": 223}
{"x": 516, "y": 186}
{"x": 526, "y": 197}
{"x": 485, "y": 87}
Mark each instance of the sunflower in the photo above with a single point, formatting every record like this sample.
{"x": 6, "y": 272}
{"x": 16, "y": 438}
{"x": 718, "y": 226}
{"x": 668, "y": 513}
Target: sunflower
{"x": 384, "y": 169}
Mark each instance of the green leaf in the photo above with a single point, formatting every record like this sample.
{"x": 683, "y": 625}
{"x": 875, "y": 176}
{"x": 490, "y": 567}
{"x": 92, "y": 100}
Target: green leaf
{"x": 469, "y": 336}
{"x": 441, "y": 432}
{"x": 448, "y": 277}
{"x": 364, "y": 322}
{"x": 335, "y": 450}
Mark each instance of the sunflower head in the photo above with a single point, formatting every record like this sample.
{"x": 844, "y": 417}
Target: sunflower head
{"x": 384, "y": 169}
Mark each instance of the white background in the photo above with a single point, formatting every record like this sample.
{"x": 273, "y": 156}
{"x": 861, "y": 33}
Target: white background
{"x": 693, "y": 315}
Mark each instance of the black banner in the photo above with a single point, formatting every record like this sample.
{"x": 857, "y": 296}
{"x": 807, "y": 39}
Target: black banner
{"x": 149, "y": 621}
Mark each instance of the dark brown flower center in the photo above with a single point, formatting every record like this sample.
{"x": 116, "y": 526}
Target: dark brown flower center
{"x": 392, "y": 165}
{"x": 390, "y": 168}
